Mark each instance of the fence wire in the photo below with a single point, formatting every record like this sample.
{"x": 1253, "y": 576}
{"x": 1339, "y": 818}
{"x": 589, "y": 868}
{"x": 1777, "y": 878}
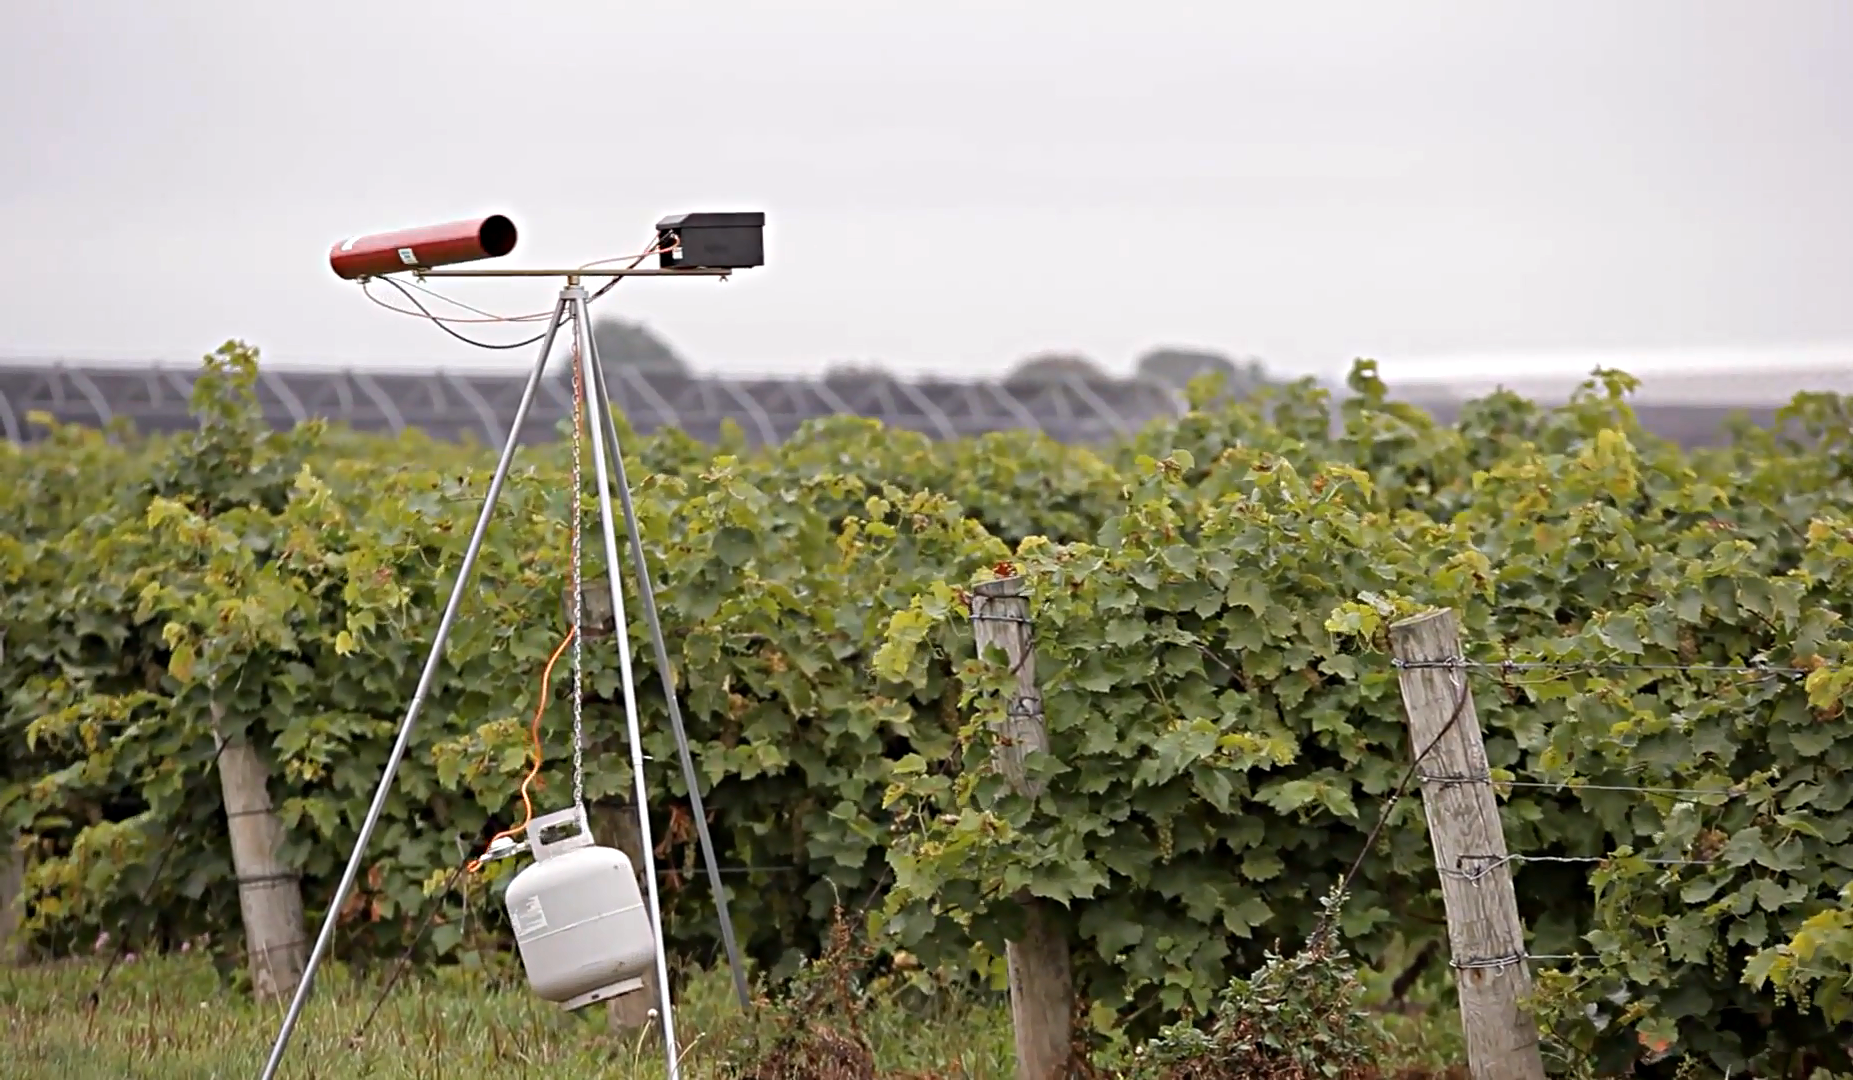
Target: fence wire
{"x": 1480, "y": 865}
{"x": 1606, "y": 667}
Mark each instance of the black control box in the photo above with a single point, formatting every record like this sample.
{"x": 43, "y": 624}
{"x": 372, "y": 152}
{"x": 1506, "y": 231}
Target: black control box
{"x": 719, "y": 241}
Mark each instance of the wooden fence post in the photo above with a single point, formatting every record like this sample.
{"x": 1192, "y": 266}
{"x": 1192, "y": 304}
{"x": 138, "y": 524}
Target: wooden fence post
{"x": 1041, "y": 984}
{"x": 12, "y": 883}
{"x": 269, "y": 893}
{"x": 617, "y": 826}
{"x": 1484, "y": 933}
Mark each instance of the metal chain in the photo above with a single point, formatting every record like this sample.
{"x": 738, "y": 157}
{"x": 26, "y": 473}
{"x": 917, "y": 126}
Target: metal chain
{"x": 578, "y": 625}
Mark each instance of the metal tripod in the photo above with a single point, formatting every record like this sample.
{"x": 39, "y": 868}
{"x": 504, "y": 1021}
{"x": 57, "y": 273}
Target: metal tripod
{"x": 570, "y": 308}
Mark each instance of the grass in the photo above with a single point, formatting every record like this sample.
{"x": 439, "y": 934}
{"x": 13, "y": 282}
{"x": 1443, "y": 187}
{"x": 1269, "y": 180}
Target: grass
{"x": 176, "y": 1016}
{"x": 172, "y": 1018}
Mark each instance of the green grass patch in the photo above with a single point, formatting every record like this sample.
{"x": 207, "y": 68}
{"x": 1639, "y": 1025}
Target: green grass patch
{"x": 172, "y": 1018}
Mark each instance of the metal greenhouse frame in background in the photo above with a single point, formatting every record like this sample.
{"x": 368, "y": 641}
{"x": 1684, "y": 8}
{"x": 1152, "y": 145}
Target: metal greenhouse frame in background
{"x": 448, "y": 404}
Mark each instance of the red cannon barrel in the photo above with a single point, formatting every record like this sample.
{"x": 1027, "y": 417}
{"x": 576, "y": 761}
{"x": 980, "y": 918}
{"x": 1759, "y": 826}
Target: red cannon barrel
{"x": 433, "y": 245}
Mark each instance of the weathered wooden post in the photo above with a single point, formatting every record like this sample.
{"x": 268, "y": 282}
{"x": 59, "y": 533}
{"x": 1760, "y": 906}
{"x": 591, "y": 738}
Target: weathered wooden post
{"x": 269, "y": 893}
{"x": 636, "y": 1010}
{"x": 1484, "y": 933}
{"x": 616, "y": 823}
{"x": 1041, "y": 985}
{"x": 12, "y": 883}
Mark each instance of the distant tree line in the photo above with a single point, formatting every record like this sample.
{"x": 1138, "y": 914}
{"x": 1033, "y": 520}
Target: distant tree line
{"x": 633, "y": 345}
{"x": 1172, "y": 365}
{"x": 628, "y": 344}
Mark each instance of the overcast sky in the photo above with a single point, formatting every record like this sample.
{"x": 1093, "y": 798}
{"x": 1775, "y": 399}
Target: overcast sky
{"x": 949, "y": 186}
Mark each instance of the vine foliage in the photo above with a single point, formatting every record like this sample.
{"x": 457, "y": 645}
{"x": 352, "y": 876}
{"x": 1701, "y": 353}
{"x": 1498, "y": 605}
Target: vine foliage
{"x": 1211, "y": 600}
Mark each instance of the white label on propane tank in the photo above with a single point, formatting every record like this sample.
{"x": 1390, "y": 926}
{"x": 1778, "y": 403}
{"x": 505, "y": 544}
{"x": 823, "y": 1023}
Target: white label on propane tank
{"x": 530, "y": 919}
{"x": 406, "y": 257}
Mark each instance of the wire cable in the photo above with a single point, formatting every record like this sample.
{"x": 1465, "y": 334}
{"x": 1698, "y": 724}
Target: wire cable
{"x": 1464, "y": 695}
{"x": 487, "y": 316}
{"x": 431, "y": 909}
{"x": 442, "y": 322}
{"x": 1597, "y": 667}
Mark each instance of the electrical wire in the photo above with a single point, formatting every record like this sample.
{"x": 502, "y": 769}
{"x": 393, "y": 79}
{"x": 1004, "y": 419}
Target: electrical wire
{"x": 613, "y": 283}
{"x": 1463, "y": 697}
{"x": 443, "y": 322}
{"x": 490, "y": 316}
{"x": 487, "y": 316}
{"x": 405, "y": 958}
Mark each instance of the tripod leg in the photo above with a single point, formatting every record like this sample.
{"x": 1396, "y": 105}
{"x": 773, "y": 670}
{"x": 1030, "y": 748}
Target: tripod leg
{"x": 601, "y": 397}
{"x": 582, "y": 340}
{"x": 425, "y": 679}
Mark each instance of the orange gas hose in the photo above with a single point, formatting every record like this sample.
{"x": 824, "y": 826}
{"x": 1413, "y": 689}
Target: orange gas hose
{"x": 546, "y": 679}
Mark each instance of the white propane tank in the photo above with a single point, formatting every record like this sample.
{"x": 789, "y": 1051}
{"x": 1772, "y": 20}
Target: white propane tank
{"x": 579, "y": 917}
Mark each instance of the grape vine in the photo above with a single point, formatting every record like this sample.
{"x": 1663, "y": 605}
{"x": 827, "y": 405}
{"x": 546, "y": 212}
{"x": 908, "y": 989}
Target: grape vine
{"x": 1211, "y": 599}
